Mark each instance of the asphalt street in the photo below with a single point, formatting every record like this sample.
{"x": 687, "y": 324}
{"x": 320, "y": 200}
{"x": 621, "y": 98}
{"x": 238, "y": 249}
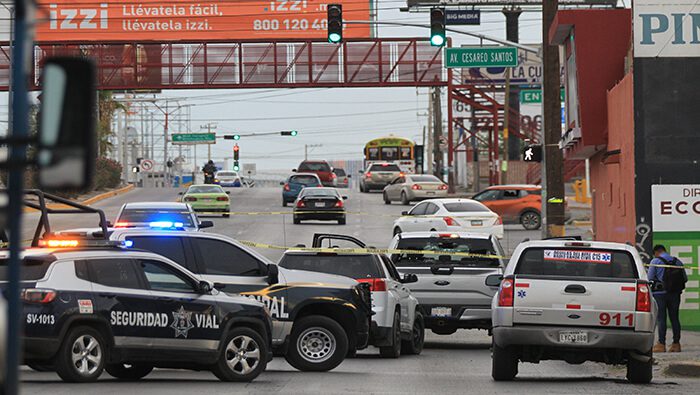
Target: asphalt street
{"x": 459, "y": 363}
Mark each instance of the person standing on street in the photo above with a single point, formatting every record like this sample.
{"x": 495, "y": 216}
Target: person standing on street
{"x": 669, "y": 299}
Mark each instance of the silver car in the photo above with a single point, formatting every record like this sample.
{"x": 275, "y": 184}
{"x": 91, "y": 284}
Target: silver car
{"x": 378, "y": 175}
{"x": 413, "y": 187}
{"x": 451, "y": 288}
{"x": 574, "y": 301}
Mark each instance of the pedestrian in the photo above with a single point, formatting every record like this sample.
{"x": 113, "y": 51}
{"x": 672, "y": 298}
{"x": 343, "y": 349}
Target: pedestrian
{"x": 667, "y": 299}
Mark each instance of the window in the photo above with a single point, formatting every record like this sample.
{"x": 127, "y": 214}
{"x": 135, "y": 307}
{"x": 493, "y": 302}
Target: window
{"x": 160, "y": 277}
{"x": 573, "y": 262}
{"x": 32, "y": 268}
{"x": 511, "y": 194}
{"x": 491, "y": 194}
{"x": 419, "y": 209}
{"x": 321, "y": 192}
{"x": 393, "y": 273}
{"x": 339, "y": 172}
{"x": 537, "y": 192}
{"x": 465, "y": 207}
{"x": 221, "y": 258}
{"x": 406, "y": 153}
{"x": 390, "y": 153}
{"x": 399, "y": 180}
{"x": 446, "y": 245}
{"x": 425, "y": 179}
{"x": 373, "y": 153}
{"x": 304, "y": 180}
{"x": 389, "y": 167}
{"x": 353, "y": 266}
{"x": 431, "y": 209}
{"x": 119, "y": 273}
{"x": 205, "y": 189}
{"x": 314, "y": 166}
{"x": 135, "y": 216}
{"x": 169, "y": 247}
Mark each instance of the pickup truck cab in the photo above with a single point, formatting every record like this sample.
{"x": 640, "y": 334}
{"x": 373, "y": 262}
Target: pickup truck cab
{"x": 573, "y": 301}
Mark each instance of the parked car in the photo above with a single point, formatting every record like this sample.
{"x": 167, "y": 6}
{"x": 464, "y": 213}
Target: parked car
{"x": 451, "y": 288}
{"x": 514, "y": 203}
{"x": 378, "y": 175}
{"x": 321, "y": 168}
{"x": 450, "y": 215}
{"x": 227, "y": 178}
{"x": 295, "y": 183}
{"x": 413, "y": 187}
{"x": 322, "y": 204}
{"x": 342, "y": 176}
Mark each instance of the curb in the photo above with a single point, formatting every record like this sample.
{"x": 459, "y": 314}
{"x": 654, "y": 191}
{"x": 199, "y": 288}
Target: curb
{"x": 91, "y": 200}
{"x": 582, "y": 223}
{"x": 683, "y": 368}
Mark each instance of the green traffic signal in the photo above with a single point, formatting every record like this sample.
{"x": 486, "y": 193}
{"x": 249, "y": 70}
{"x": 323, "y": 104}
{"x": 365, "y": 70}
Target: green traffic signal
{"x": 289, "y": 133}
{"x": 236, "y": 136}
{"x": 437, "y": 27}
{"x": 334, "y": 38}
{"x": 437, "y": 40}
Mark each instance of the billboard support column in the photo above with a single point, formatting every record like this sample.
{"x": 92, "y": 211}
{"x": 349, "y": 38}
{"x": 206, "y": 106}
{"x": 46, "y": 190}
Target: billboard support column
{"x": 512, "y": 146}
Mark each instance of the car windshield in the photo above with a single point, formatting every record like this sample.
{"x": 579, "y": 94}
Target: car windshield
{"x": 314, "y": 166}
{"x": 464, "y": 207}
{"x": 154, "y": 215}
{"x": 339, "y": 172}
{"x": 310, "y": 192}
{"x": 425, "y": 179}
{"x": 446, "y": 245}
{"x": 385, "y": 167}
{"x": 354, "y": 266}
{"x": 576, "y": 262}
{"x": 205, "y": 189}
{"x": 304, "y": 180}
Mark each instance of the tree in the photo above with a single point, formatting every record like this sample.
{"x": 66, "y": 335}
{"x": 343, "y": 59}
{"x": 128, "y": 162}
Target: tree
{"x": 106, "y": 108}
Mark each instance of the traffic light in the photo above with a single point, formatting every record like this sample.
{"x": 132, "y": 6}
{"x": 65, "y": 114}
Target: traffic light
{"x": 437, "y": 27}
{"x": 335, "y": 23}
{"x": 289, "y": 133}
{"x": 232, "y": 137}
{"x": 236, "y": 167}
{"x": 236, "y": 148}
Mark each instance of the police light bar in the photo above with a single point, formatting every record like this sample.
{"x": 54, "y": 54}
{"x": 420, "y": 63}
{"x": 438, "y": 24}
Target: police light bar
{"x": 166, "y": 225}
{"x": 73, "y": 243}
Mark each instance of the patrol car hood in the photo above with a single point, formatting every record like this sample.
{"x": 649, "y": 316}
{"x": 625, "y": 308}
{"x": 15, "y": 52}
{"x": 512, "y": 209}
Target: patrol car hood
{"x": 303, "y": 276}
{"x": 236, "y": 298}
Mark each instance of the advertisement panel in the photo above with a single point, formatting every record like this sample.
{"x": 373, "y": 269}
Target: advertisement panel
{"x": 413, "y": 3}
{"x": 676, "y": 224}
{"x": 176, "y": 20}
{"x": 665, "y": 28}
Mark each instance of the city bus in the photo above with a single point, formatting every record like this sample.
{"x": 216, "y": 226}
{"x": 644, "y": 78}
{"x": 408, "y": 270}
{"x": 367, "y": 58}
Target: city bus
{"x": 391, "y": 149}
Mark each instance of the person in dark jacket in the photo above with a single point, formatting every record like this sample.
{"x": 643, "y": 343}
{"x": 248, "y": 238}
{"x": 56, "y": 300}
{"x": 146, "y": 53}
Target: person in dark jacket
{"x": 668, "y": 300}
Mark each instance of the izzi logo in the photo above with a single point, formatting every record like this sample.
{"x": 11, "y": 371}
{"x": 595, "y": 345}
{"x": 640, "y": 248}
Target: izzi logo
{"x": 67, "y": 17}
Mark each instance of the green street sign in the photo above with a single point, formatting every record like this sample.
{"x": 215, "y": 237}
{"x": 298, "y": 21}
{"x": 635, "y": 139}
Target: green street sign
{"x": 193, "y": 138}
{"x": 481, "y": 57}
{"x": 531, "y": 96}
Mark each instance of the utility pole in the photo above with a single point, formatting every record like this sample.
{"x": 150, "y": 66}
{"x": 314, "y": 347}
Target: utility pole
{"x": 428, "y": 150}
{"x": 437, "y": 130}
{"x": 209, "y": 128}
{"x": 553, "y": 164}
{"x": 511, "y": 147}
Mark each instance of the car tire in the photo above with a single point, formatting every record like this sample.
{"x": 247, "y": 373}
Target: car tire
{"x": 362, "y": 189}
{"x": 531, "y": 220}
{"x": 296, "y": 221}
{"x": 41, "y": 367}
{"x": 393, "y": 350}
{"x": 227, "y": 213}
{"x": 90, "y": 349}
{"x": 243, "y": 357}
{"x": 386, "y": 199}
{"x": 640, "y": 372}
{"x": 284, "y": 203}
{"x": 414, "y": 346}
{"x": 404, "y": 199}
{"x": 316, "y": 344}
{"x": 504, "y": 363}
{"x": 397, "y": 231}
{"x": 131, "y": 373}
{"x": 341, "y": 221}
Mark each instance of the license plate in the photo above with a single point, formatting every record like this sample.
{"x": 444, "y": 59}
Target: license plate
{"x": 477, "y": 223}
{"x": 320, "y": 204}
{"x": 573, "y": 337}
{"x": 441, "y": 311}
{"x": 430, "y": 193}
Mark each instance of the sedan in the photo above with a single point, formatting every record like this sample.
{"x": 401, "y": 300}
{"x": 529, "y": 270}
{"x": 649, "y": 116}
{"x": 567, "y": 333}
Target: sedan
{"x": 324, "y": 204}
{"x": 228, "y": 179}
{"x": 450, "y": 215}
{"x": 414, "y": 187}
{"x": 207, "y": 197}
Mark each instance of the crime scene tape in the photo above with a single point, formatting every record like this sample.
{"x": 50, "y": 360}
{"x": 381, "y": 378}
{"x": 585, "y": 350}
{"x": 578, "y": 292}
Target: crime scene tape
{"x": 370, "y": 250}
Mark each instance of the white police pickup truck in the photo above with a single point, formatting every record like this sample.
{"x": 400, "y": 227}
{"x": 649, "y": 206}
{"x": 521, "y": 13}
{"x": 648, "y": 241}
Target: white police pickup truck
{"x": 573, "y": 301}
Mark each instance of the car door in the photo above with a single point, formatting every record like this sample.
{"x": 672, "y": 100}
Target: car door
{"x": 193, "y": 320}
{"x": 430, "y": 221}
{"x": 510, "y": 203}
{"x": 412, "y": 222}
{"x": 394, "y": 189}
{"x": 402, "y": 293}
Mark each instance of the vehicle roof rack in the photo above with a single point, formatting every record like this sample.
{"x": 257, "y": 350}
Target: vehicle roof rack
{"x": 41, "y": 201}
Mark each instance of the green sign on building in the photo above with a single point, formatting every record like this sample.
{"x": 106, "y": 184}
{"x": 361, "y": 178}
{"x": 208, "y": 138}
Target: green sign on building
{"x": 193, "y": 138}
{"x": 528, "y": 96}
{"x": 481, "y": 57}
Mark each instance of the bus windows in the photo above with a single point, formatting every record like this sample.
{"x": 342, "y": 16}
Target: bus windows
{"x": 390, "y": 153}
{"x": 406, "y": 153}
{"x": 373, "y": 153}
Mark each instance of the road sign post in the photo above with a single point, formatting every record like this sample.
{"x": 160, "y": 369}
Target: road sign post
{"x": 193, "y": 138}
{"x": 481, "y": 57}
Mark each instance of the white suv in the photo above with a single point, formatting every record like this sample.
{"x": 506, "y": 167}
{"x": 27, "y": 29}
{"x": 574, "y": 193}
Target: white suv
{"x": 573, "y": 301}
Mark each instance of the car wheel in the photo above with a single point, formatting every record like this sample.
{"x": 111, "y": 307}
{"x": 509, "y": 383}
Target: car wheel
{"x": 640, "y": 372}
{"x": 297, "y": 221}
{"x": 397, "y": 231}
{"x": 504, "y": 363}
{"x": 394, "y": 350}
{"x": 531, "y": 220}
{"x": 316, "y": 344}
{"x": 284, "y": 203}
{"x": 41, "y": 367}
{"x": 386, "y": 199}
{"x": 414, "y": 346}
{"x": 81, "y": 357}
{"x": 227, "y": 213}
{"x": 362, "y": 189}
{"x": 128, "y": 372}
{"x": 404, "y": 199}
{"x": 243, "y": 357}
{"x": 341, "y": 221}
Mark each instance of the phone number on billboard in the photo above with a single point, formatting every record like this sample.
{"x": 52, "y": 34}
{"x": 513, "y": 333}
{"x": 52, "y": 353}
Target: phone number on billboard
{"x": 290, "y": 24}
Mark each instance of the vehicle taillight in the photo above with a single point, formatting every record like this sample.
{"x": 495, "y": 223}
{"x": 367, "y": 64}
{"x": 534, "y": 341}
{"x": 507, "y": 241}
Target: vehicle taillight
{"x": 643, "y": 298}
{"x": 368, "y": 175}
{"x": 375, "y": 284}
{"x": 401, "y": 174}
{"x": 121, "y": 225}
{"x": 499, "y": 220}
{"x": 505, "y": 293}
{"x": 35, "y": 295}
{"x": 190, "y": 199}
{"x": 287, "y": 188}
{"x": 450, "y": 221}
{"x": 416, "y": 187}
{"x": 442, "y": 187}
{"x": 222, "y": 199}
{"x": 333, "y": 175}
{"x": 339, "y": 203}
{"x": 301, "y": 204}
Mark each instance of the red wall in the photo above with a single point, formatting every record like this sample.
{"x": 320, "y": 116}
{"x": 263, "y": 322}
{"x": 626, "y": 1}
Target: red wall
{"x": 612, "y": 184}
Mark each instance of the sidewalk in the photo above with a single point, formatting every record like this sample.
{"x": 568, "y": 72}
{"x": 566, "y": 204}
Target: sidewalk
{"x": 681, "y": 364}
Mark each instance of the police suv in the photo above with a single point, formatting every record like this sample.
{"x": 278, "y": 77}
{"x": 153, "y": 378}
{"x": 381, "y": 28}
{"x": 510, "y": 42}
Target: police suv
{"x": 574, "y": 301}
{"x": 89, "y": 309}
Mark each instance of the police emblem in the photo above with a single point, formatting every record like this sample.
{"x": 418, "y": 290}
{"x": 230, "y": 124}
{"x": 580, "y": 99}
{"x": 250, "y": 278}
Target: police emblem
{"x": 182, "y": 322}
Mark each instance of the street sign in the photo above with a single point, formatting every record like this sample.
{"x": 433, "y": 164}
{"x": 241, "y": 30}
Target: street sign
{"x": 147, "y": 165}
{"x": 250, "y": 169}
{"x": 532, "y": 153}
{"x": 481, "y": 57}
{"x": 530, "y": 96}
{"x": 193, "y": 138}
{"x": 463, "y": 17}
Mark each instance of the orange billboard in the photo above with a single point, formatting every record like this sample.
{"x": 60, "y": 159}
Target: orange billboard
{"x": 92, "y": 21}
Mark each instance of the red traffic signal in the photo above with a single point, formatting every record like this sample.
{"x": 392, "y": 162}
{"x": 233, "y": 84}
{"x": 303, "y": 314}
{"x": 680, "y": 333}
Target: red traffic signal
{"x": 235, "y": 152}
{"x": 236, "y": 148}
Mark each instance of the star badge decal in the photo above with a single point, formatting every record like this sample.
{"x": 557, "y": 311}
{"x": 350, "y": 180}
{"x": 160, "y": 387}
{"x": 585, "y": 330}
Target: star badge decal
{"x": 182, "y": 322}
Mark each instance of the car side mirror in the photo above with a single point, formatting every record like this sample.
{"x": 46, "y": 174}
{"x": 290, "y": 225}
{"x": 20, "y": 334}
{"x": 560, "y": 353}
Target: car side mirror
{"x": 294, "y": 170}
{"x": 228, "y": 192}
{"x": 205, "y": 287}
{"x": 409, "y": 278}
{"x": 345, "y": 198}
{"x": 657, "y": 286}
{"x": 180, "y": 193}
{"x": 404, "y": 213}
{"x": 273, "y": 273}
{"x": 494, "y": 280}
{"x": 282, "y": 183}
{"x": 348, "y": 176}
{"x": 205, "y": 224}
{"x": 66, "y": 134}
